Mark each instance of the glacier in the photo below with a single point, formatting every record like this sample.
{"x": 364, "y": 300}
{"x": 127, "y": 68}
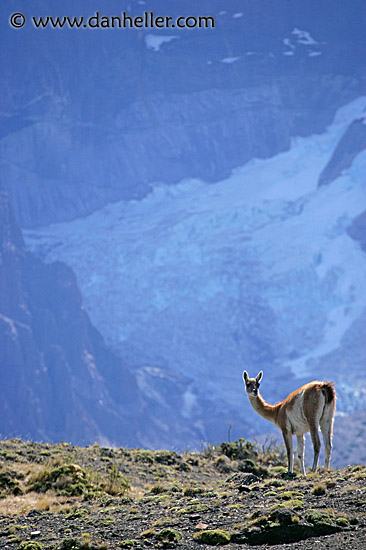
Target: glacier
{"x": 206, "y": 279}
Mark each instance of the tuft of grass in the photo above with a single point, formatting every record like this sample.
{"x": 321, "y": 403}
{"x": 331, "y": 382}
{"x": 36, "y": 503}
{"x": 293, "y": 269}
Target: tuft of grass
{"x": 9, "y": 484}
{"x": 293, "y": 504}
{"x": 158, "y": 488}
{"x": 167, "y": 457}
{"x": 86, "y": 540}
{"x": 222, "y": 464}
{"x": 289, "y": 495}
{"x": 285, "y": 517}
{"x": 212, "y": 537}
{"x": 192, "y": 491}
{"x": 114, "y": 483}
{"x": 169, "y": 535}
{"x": 320, "y": 518}
{"x": 68, "y": 480}
{"x": 163, "y": 522}
{"x": 30, "y": 545}
{"x": 44, "y": 504}
{"x": 148, "y": 533}
{"x": 238, "y": 450}
{"x": 274, "y": 482}
{"x": 342, "y": 521}
{"x": 319, "y": 489}
{"x": 145, "y": 457}
{"x": 193, "y": 509}
{"x": 72, "y": 480}
{"x": 252, "y": 467}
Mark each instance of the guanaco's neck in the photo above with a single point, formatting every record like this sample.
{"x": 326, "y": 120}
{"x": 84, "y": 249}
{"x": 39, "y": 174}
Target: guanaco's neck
{"x": 267, "y": 411}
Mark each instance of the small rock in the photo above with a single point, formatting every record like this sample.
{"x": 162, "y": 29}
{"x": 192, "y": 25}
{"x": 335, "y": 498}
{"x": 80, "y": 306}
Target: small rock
{"x": 201, "y": 526}
{"x": 249, "y": 479}
{"x": 35, "y": 534}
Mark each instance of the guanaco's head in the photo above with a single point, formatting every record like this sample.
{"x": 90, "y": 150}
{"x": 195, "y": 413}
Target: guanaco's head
{"x": 252, "y": 384}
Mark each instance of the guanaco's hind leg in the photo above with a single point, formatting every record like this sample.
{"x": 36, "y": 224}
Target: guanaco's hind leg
{"x": 316, "y": 444}
{"x": 287, "y": 436}
{"x": 326, "y": 426}
{"x": 300, "y": 451}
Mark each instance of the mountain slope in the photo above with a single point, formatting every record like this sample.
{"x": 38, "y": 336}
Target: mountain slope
{"x": 59, "y": 380}
{"x": 352, "y": 143}
{"x": 123, "y": 115}
{"x": 256, "y": 271}
{"x": 52, "y": 385}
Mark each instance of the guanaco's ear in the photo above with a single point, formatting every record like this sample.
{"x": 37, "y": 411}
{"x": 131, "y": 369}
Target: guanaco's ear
{"x": 259, "y": 376}
{"x": 245, "y": 376}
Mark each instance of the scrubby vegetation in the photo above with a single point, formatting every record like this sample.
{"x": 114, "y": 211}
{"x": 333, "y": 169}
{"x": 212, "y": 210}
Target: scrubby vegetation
{"x": 60, "y": 497}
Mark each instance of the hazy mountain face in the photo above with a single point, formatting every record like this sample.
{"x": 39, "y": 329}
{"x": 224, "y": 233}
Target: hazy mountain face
{"x": 233, "y": 157}
{"x": 93, "y": 116}
{"x": 59, "y": 381}
{"x": 54, "y": 365}
{"x": 259, "y": 269}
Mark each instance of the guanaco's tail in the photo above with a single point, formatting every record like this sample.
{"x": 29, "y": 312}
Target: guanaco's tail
{"x": 329, "y": 392}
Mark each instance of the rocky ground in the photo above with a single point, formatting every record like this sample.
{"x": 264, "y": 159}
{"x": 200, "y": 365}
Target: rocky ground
{"x": 62, "y": 497}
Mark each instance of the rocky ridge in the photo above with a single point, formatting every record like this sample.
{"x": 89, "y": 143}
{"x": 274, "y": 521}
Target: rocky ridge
{"x": 59, "y": 497}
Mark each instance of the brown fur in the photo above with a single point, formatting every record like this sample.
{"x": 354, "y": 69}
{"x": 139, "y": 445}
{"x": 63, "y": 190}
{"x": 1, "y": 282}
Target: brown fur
{"x": 329, "y": 391}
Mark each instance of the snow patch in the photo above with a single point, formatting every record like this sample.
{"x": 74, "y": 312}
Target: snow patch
{"x": 304, "y": 37}
{"x": 155, "y": 41}
{"x": 288, "y": 44}
{"x": 230, "y": 59}
{"x": 301, "y": 38}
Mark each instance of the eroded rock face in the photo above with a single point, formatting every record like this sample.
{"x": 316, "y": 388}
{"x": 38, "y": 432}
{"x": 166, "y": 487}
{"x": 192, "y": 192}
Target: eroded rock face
{"x": 51, "y": 175}
{"x": 357, "y": 230}
{"x": 350, "y": 145}
{"x": 54, "y": 177}
{"x": 122, "y": 116}
{"x": 58, "y": 379}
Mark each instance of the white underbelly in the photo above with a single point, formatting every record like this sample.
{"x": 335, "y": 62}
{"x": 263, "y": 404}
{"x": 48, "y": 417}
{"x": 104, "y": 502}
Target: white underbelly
{"x": 296, "y": 421}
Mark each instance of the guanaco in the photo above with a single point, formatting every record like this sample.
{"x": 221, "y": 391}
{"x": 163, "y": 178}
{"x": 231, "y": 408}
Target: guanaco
{"x": 304, "y": 410}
